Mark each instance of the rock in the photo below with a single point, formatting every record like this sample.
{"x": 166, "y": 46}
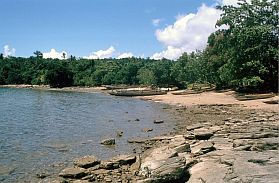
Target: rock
{"x": 73, "y": 172}
{"x": 222, "y": 143}
{"x": 161, "y": 138}
{"x": 53, "y": 180}
{"x": 147, "y": 129}
{"x": 81, "y": 181}
{"x": 162, "y": 165}
{"x": 124, "y": 159}
{"x": 41, "y": 175}
{"x": 202, "y": 134}
{"x": 109, "y": 165}
{"x": 108, "y": 142}
{"x": 86, "y": 162}
{"x": 158, "y": 121}
{"x": 167, "y": 170}
{"x": 119, "y": 133}
{"x": 137, "y": 119}
{"x": 202, "y": 147}
{"x": 194, "y": 126}
{"x": 183, "y": 148}
{"x": 136, "y": 140}
{"x": 208, "y": 171}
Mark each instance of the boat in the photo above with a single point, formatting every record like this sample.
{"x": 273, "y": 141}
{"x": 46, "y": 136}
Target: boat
{"x": 131, "y": 93}
{"x": 187, "y": 92}
{"x": 254, "y": 96}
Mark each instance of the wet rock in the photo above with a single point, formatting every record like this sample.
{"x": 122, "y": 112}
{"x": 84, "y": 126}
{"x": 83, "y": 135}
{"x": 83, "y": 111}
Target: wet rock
{"x": 119, "y": 133}
{"x": 86, "y": 162}
{"x": 161, "y": 138}
{"x": 73, "y": 172}
{"x": 202, "y": 147}
{"x": 136, "y": 140}
{"x": 109, "y": 165}
{"x": 147, "y": 129}
{"x": 158, "y": 121}
{"x": 41, "y": 175}
{"x": 124, "y": 159}
{"x": 53, "y": 180}
{"x": 108, "y": 142}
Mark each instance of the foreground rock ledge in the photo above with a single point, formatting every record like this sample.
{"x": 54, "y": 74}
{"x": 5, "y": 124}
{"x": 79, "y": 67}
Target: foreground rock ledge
{"x": 242, "y": 149}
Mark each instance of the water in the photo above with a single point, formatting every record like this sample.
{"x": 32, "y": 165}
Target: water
{"x": 43, "y": 131}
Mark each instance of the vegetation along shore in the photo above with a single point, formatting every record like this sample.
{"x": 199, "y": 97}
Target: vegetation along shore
{"x": 220, "y": 136}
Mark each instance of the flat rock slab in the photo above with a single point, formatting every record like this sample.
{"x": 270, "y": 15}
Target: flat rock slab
{"x": 202, "y": 147}
{"x": 209, "y": 171}
{"x": 124, "y": 159}
{"x": 86, "y": 162}
{"x": 203, "y": 133}
{"x": 73, "y": 172}
{"x": 194, "y": 126}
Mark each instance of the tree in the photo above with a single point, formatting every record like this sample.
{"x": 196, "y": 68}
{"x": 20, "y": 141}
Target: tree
{"x": 38, "y": 54}
{"x": 251, "y": 45}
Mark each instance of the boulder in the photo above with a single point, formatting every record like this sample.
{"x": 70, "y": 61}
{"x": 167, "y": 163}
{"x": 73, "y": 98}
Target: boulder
{"x": 167, "y": 170}
{"x": 73, "y": 172}
{"x": 162, "y": 165}
{"x": 108, "y": 141}
{"x": 86, "y": 162}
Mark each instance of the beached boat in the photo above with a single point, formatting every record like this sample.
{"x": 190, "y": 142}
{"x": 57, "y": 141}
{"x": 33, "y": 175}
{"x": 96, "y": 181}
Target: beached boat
{"x": 131, "y": 93}
{"x": 254, "y": 96}
{"x": 187, "y": 92}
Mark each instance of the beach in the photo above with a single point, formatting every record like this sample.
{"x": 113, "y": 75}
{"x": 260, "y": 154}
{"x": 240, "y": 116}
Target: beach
{"x": 216, "y": 139}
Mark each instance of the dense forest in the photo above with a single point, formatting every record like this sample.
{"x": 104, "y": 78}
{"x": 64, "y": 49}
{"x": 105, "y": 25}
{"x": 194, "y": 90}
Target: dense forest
{"x": 242, "y": 56}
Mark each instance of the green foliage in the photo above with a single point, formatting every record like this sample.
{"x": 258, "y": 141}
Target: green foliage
{"x": 249, "y": 47}
{"x": 244, "y": 56}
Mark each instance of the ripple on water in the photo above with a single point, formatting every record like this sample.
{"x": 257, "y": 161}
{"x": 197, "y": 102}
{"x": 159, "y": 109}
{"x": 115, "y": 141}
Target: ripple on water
{"x": 42, "y": 131}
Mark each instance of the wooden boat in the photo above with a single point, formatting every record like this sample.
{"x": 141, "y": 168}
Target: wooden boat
{"x": 254, "y": 96}
{"x": 130, "y": 93}
{"x": 271, "y": 102}
{"x": 187, "y": 92}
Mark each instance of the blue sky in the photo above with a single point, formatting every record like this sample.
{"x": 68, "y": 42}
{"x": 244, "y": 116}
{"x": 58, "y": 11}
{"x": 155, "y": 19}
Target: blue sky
{"x": 83, "y": 27}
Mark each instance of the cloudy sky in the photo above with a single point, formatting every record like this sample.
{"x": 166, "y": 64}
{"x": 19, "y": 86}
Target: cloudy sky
{"x": 106, "y": 28}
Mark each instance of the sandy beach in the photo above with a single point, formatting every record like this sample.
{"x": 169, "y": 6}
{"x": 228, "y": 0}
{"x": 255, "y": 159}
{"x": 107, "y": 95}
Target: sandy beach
{"x": 212, "y": 98}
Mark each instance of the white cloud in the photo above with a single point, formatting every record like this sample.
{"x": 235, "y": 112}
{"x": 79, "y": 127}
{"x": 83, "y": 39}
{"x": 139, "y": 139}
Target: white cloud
{"x": 101, "y": 54}
{"x": 125, "y": 55}
{"x": 156, "y": 22}
{"x": 189, "y": 33}
{"x": 54, "y": 54}
{"x": 9, "y": 51}
{"x": 230, "y": 2}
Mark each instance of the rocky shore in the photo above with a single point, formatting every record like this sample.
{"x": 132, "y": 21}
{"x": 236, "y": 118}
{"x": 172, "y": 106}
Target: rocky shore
{"x": 212, "y": 143}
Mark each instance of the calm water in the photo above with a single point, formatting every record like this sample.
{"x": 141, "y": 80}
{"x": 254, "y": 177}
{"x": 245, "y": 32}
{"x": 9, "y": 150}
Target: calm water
{"x": 43, "y": 131}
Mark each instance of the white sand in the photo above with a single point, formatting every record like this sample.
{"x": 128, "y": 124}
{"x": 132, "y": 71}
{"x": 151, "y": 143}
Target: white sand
{"x": 211, "y": 98}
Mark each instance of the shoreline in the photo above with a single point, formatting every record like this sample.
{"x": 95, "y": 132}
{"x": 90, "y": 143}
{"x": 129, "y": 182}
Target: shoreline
{"x": 235, "y": 136}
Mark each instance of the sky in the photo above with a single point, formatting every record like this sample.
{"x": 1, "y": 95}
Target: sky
{"x": 106, "y": 28}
